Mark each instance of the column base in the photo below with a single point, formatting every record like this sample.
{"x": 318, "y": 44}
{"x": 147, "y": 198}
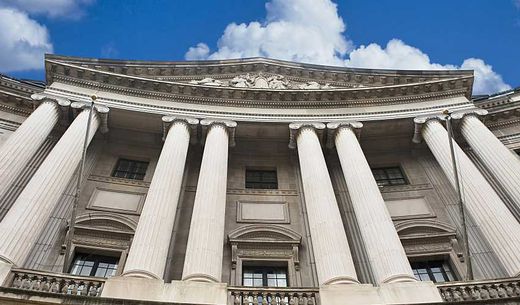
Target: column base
{"x": 393, "y": 293}
{"x": 183, "y": 292}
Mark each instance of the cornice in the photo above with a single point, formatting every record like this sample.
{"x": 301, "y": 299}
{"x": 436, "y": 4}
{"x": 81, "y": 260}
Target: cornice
{"x": 185, "y": 69}
{"x": 361, "y": 97}
{"x": 364, "y": 113}
{"x": 88, "y": 77}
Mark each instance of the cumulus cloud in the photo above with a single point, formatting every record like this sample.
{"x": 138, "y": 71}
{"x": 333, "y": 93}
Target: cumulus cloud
{"x": 297, "y": 30}
{"x": 23, "y": 41}
{"x": 312, "y": 31}
{"x": 398, "y": 55}
{"x": 51, "y": 8}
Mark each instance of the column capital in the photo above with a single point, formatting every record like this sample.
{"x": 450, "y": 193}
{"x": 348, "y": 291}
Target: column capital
{"x": 455, "y": 115}
{"x": 477, "y": 112}
{"x": 101, "y": 109}
{"x": 190, "y": 123}
{"x": 61, "y": 102}
{"x": 296, "y": 127}
{"x": 39, "y": 98}
{"x": 334, "y": 127}
{"x": 228, "y": 125}
{"x": 421, "y": 120}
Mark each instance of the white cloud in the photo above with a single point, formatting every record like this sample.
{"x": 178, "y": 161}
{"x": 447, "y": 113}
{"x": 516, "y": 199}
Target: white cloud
{"x": 398, "y": 55}
{"x": 312, "y": 31}
{"x": 297, "y": 30}
{"x": 23, "y": 41}
{"x": 51, "y": 8}
{"x": 200, "y": 51}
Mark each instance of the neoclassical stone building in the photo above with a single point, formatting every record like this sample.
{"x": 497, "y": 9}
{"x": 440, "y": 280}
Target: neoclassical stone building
{"x": 256, "y": 181}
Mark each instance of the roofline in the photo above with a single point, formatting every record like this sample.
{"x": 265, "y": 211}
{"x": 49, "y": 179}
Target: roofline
{"x": 91, "y": 60}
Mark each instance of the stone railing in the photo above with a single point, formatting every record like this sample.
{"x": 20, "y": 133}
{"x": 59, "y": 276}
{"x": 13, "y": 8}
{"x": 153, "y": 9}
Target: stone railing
{"x": 480, "y": 290}
{"x": 273, "y": 296}
{"x": 55, "y": 283}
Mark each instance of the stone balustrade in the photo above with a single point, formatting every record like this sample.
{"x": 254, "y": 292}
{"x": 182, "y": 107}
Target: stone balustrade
{"x": 480, "y": 290}
{"x": 273, "y": 296}
{"x": 55, "y": 283}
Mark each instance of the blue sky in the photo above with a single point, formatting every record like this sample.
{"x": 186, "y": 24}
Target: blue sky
{"x": 403, "y": 34}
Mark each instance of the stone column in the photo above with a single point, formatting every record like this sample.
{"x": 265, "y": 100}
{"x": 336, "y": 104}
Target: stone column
{"x": 331, "y": 250}
{"x": 16, "y": 152}
{"x": 384, "y": 249}
{"x": 502, "y": 162}
{"x": 204, "y": 252}
{"x": 149, "y": 250}
{"x": 493, "y": 218}
{"x": 23, "y": 223}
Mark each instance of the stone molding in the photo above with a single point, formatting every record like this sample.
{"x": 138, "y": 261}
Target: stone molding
{"x": 141, "y": 72}
{"x": 267, "y": 98}
{"x": 264, "y": 117}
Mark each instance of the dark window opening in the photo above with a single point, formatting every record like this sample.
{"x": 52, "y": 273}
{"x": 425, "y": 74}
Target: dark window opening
{"x": 261, "y": 179}
{"x": 435, "y": 271}
{"x": 94, "y": 265}
{"x": 389, "y": 176}
{"x": 264, "y": 277}
{"x": 130, "y": 169}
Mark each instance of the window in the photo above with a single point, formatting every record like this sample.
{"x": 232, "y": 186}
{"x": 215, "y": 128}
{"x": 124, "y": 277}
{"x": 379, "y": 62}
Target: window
{"x": 94, "y": 265}
{"x": 264, "y": 277}
{"x": 261, "y": 179}
{"x": 435, "y": 271}
{"x": 130, "y": 169}
{"x": 389, "y": 176}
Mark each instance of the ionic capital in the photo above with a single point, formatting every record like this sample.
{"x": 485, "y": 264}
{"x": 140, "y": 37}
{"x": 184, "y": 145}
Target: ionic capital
{"x": 296, "y": 127}
{"x": 189, "y": 122}
{"x": 421, "y": 120}
{"x": 228, "y": 125}
{"x": 477, "y": 112}
{"x": 60, "y": 102}
{"x": 101, "y": 110}
{"x": 334, "y": 127}
{"x": 39, "y": 98}
{"x": 455, "y": 115}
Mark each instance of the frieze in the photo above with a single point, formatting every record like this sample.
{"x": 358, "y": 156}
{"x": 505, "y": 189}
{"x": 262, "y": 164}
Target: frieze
{"x": 261, "y": 81}
{"x": 241, "y": 97}
{"x": 217, "y": 69}
{"x": 102, "y": 79}
{"x": 261, "y": 116}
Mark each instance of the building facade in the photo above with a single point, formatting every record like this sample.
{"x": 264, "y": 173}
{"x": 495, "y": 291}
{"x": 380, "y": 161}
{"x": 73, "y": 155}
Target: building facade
{"x": 256, "y": 181}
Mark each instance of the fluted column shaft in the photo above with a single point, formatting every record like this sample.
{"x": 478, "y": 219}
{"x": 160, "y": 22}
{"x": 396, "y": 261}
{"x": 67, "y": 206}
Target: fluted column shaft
{"x": 503, "y": 164}
{"x": 385, "y": 251}
{"x": 495, "y": 221}
{"x": 16, "y": 152}
{"x": 149, "y": 250}
{"x": 204, "y": 252}
{"x": 334, "y": 262}
{"x": 23, "y": 223}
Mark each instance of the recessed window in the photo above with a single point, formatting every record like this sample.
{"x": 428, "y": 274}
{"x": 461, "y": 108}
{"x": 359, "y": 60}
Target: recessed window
{"x": 264, "y": 277}
{"x": 130, "y": 169}
{"x": 436, "y": 271}
{"x": 94, "y": 265}
{"x": 261, "y": 179}
{"x": 389, "y": 176}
